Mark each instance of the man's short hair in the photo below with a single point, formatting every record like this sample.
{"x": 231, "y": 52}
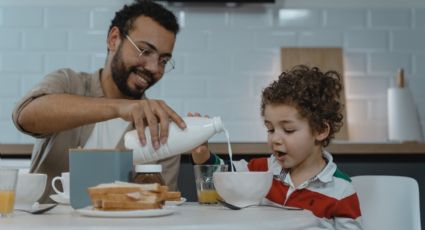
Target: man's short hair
{"x": 125, "y": 17}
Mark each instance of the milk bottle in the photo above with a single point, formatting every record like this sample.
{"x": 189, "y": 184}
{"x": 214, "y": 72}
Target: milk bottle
{"x": 198, "y": 131}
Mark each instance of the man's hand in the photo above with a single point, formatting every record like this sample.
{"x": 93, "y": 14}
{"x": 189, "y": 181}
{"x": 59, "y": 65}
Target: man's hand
{"x": 201, "y": 153}
{"x": 149, "y": 113}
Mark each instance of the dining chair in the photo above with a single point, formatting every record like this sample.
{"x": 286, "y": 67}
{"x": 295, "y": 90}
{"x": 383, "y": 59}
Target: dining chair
{"x": 388, "y": 202}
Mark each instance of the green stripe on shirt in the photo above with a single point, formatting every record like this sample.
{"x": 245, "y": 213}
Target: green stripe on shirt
{"x": 340, "y": 174}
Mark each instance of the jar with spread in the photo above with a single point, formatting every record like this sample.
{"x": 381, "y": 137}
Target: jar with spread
{"x": 146, "y": 174}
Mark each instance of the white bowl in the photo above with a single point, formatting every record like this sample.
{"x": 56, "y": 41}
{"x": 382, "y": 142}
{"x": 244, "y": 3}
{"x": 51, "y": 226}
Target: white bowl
{"x": 29, "y": 189}
{"x": 242, "y": 188}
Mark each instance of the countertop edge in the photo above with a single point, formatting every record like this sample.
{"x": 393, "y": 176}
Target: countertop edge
{"x": 25, "y": 150}
{"x": 334, "y": 148}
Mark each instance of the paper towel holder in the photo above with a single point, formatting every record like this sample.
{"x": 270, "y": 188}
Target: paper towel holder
{"x": 403, "y": 118}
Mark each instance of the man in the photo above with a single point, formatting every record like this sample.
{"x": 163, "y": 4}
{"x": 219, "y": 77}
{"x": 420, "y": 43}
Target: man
{"x": 71, "y": 109}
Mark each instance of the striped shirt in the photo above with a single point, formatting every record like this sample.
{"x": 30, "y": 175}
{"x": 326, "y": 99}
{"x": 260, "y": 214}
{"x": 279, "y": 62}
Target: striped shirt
{"x": 329, "y": 195}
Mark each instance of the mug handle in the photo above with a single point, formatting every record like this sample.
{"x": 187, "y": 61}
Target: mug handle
{"x": 53, "y": 184}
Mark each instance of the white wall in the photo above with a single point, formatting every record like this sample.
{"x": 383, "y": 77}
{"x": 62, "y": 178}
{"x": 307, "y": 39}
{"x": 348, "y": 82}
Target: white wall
{"x": 225, "y": 56}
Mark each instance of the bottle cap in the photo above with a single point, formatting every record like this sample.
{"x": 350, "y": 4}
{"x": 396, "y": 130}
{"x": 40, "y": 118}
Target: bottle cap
{"x": 218, "y": 125}
{"x": 148, "y": 168}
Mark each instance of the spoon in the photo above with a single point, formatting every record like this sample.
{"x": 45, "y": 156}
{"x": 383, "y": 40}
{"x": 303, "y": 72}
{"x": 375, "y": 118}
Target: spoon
{"x": 38, "y": 210}
{"x": 234, "y": 207}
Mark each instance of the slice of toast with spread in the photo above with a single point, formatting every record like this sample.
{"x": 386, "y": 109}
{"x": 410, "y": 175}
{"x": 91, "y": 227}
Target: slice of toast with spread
{"x": 130, "y": 196}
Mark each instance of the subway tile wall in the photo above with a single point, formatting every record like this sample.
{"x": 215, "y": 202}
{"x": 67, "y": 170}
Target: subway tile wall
{"x": 225, "y": 56}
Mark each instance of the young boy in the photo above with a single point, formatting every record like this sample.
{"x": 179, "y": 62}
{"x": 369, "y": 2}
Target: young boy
{"x": 302, "y": 113}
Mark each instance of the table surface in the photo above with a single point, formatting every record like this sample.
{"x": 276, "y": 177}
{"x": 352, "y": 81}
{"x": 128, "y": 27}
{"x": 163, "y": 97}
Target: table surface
{"x": 189, "y": 215}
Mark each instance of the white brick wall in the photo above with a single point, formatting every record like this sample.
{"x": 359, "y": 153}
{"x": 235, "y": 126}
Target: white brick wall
{"x": 225, "y": 56}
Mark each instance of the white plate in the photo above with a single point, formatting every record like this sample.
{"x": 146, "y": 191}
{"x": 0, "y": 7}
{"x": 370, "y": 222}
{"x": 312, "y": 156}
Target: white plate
{"x": 59, "y": 199}
{"x": 175, "y": 202}
{"x": 89, "y": 211}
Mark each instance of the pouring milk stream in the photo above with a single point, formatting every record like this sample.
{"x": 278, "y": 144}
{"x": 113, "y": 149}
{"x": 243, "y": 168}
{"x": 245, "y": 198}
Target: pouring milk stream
{"x": 198, "y": 131}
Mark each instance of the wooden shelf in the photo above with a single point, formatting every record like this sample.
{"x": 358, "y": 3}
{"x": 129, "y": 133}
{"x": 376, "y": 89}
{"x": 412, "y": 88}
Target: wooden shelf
{"x": 22, "y": 150}
{"x": 16, "y": 149}
{"x": 335, "y": 148}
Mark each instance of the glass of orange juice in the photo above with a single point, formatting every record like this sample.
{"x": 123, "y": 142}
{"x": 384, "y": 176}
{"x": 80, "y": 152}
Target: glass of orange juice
{"x": 8, "y": 180}
{"x": 205, "y": 184}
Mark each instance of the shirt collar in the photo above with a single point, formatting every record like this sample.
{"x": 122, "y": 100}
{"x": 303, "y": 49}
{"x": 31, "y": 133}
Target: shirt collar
{"x": 327, "y": 173}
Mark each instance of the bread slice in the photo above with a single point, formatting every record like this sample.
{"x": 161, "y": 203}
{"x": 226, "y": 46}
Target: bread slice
{"x": 126, "y": 196}
{"x": 131, "y": 197}
{"x": 173, "y": 196}
{"x": 154, "y": 187}
{"x": 125, "y": 205}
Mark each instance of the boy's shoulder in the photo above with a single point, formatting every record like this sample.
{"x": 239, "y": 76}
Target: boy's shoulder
{"x": 340, "y": 174}
{"x": 259, "y": 164}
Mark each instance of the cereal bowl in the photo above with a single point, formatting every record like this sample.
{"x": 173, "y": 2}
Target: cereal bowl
{"x": 242, "y": 188}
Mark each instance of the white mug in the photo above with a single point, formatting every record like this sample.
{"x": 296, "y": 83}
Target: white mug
{"x": 29, "y": 189}
{"x": 64, "y": 179}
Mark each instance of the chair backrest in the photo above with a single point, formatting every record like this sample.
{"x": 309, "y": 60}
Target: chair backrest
{"x": 388, "y": 202}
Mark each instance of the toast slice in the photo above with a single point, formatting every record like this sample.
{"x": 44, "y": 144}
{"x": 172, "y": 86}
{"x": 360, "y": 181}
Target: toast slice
{"x": 125, "y": 205}
{"x": 173, "y": 196}
{"x": 126, "y": 196}
{"x": 119, "y": 186}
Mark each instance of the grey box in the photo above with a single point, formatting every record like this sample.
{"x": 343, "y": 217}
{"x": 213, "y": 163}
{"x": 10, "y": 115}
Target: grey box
{"x": 90, "y": 167}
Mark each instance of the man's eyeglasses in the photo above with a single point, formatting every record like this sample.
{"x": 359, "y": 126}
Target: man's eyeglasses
{"x": 165, "y": 63}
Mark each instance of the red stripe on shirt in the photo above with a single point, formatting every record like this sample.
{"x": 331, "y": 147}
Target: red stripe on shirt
{"x": 258, "y": 164}
{"x": 348, "y": 207}
{"x": 321, "y": 205}
{"x": 277, "y": 192}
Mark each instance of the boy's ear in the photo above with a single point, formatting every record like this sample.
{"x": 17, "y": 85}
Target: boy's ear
{"x": 320, "y": 136}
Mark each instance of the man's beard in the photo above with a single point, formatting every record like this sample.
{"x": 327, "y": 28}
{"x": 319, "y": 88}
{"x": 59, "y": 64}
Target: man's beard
{"x": 120, "y": 75}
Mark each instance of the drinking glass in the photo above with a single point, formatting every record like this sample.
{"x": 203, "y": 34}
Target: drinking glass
{"x": 8, "y": 181}
{"x": 205, "y": 184}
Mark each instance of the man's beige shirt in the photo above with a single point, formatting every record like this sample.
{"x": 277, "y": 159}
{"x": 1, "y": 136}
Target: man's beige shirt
{"x": 50, "y": 153}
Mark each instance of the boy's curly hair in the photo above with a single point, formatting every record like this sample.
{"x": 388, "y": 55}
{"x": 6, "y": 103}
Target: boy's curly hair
{"x": 313, "y": 93}
{"x": 125, "y": 17}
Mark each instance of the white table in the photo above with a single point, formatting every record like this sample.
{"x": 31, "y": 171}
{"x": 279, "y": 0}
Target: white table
{"x": 188, "y": 216}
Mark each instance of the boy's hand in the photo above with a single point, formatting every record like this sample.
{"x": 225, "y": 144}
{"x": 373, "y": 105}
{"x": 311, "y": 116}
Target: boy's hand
{"x": 201, "y": 153}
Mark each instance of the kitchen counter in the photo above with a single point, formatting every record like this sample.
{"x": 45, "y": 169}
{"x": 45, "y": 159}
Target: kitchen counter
{"x": 24, "y": 150}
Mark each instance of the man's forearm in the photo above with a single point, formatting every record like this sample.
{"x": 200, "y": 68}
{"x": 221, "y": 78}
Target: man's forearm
{"x": 58, "y": 112}
{"x": 201, "y": 157}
